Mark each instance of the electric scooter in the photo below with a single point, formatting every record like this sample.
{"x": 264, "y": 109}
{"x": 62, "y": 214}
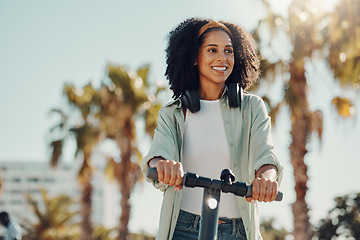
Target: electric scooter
{"x": 211, "y": 197}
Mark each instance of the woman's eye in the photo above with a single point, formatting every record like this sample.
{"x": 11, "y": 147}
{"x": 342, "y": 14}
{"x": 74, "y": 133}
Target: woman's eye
{"x": 212, "y": 50}
{"x": 229, "y": 51}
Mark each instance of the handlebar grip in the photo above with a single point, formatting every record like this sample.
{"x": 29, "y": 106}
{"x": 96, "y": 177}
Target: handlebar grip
{"x": 279, "y": 196}
{"x": 152, "y": 173}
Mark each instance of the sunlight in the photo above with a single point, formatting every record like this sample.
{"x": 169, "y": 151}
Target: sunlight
{"x": 303, "y": 16}
{"x": 112, "y": 87}
{"x": 79, "y": 92}
{"x": 138, "y": 82}
{"x": 132, "y": 74}
{"x": 118, "y": 91}
{"x": 352, "y": 111}
{"x": 345, "y": 24}
{"x": 342, "y": 57}
{"x": 151, "y": 97}
{"x": 279, "y": 21}
{"x": 313, "y": 6}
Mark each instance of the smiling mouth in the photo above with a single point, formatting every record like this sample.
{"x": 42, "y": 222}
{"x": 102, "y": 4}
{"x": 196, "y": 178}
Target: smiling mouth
{"x": 219, "y": 68}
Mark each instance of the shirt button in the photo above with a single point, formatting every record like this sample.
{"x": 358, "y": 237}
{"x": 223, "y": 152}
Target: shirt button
{"x": 231, "y": 144}
{"x": 227, "y": 122}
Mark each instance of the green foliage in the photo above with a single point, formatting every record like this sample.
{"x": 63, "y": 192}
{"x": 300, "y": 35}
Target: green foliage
{"x": 55, "y": 220}
{"x": 53, "y": 214}
{"x": 151, "y": 117}
{"x": 81, "y": 98}
{"x": 129, "y": 84}
{"x": 342, "y": 36}
{"x": 110, "y": 112}
{"x": 141, "y": 236}
{"x": 86, "y": 136}
{"x": 343, "y": 106}
{"x": 268, "y": 231}
{"x": 124, "y": 99}
{"x": 335, "y": 38}
{"x": 102, "y": 233}
{"x": 343, "y": 221}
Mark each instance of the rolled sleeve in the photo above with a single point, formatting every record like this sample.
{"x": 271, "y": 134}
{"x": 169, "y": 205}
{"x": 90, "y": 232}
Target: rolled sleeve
{"x": 164, "y": 144}
{"x": 262, "y": 149}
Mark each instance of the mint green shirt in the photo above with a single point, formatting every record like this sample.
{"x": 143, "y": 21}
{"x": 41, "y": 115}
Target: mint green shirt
{"x": 248, "y": 134}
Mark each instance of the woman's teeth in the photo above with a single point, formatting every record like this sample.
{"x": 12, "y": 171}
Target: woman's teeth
{"x": 219, "y": 68}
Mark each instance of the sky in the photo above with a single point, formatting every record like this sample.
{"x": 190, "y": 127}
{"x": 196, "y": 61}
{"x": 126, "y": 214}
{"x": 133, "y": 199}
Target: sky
{"x": 45, "y": 44}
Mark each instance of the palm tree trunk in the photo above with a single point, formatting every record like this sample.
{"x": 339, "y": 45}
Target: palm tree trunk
{"x": 300, "y": 132}
{"x": 125, "y": 177}
{"x": 86, "y": 204}
{"x": 85, "y": 176}
{"x": 125, "y": 212}
{"x": 125, "y": 190}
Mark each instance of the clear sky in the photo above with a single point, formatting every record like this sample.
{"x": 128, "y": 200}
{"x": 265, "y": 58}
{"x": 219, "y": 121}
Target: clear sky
{"x": 44, "y": 44}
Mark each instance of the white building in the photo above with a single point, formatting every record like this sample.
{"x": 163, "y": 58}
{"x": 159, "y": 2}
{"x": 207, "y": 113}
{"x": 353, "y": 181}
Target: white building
{"x": 20, "y": 178}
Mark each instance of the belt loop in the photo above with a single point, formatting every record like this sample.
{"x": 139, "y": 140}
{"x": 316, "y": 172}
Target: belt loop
{"x": 234, "y": 226}
{"x": 196, "y": 221}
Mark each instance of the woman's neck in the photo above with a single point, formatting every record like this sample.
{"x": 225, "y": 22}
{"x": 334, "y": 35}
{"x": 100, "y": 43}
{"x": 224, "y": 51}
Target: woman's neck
{"x": 211, "y": 93}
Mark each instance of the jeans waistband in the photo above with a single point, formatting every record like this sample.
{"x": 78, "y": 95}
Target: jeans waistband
{"x": 190, "y": 217}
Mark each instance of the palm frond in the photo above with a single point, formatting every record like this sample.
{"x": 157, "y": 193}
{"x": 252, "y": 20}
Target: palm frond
{"x": 344, "y": 106}
{"x": 56, "y": 151}
{"x": 316, "y": 123}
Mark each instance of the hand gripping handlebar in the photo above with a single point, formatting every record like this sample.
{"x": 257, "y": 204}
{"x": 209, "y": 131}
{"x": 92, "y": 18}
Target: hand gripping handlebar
{"x": 227, "y": 186}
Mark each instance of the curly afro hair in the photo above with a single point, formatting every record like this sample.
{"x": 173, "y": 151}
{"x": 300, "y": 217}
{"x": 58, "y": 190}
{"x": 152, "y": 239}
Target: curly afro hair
{"x": 182, "y": 53}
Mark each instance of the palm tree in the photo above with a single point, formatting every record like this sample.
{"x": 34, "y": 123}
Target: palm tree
{"x": 56, "y": 216}
{"x": 123, "y": 101}
{"x": 343, "y": 220}
{"x": 309, "y": 35}
{"x": 87, "y": 136}
{"x": 110, "y": 112}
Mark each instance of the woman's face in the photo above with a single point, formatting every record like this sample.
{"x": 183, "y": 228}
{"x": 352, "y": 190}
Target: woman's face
{"x": 216, "y": 59}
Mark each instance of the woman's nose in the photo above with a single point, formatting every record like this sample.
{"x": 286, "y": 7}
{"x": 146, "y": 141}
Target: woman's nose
{"x": 221, "y": 56}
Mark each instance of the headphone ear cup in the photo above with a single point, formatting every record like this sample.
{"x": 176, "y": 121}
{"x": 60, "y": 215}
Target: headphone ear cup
{"x": 233, "y": 95}
{"x": 185, "y": 100}
{"x": 191, "y": 100}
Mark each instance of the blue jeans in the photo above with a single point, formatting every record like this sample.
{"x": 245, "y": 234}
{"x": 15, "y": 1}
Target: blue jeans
{"x": 188, "y": 224}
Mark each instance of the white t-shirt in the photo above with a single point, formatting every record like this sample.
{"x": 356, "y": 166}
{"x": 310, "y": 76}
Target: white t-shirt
{"x": 206, "y": 153}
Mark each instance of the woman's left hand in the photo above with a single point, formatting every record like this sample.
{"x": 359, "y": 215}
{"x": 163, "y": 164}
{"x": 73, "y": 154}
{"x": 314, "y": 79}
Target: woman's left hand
{"x": 263, "y": 190}
{"x": 264, "y": 186}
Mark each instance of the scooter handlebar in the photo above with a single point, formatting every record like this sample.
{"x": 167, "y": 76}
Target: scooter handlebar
{"x": 193, "y": 180}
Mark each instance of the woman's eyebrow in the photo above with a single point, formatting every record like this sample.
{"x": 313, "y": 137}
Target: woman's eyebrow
{"x": 215, "y": 45}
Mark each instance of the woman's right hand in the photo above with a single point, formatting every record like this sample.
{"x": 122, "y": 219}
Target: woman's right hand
{"x": 169, "y": 172}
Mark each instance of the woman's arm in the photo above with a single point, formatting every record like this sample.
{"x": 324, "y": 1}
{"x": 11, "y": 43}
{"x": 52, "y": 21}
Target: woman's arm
{"x": 265, "y": 169}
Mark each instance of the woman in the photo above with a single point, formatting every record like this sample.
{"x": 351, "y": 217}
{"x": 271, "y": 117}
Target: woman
{"x": 210, "y": 126}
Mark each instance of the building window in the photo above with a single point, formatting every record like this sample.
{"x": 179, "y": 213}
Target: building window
{"x": 33, "y": 179}
{"x": 16, "y": 202}
{"x": 16, "y": 179}
{"x": 49, "y": 180}
{"x": 16, "y": 191}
